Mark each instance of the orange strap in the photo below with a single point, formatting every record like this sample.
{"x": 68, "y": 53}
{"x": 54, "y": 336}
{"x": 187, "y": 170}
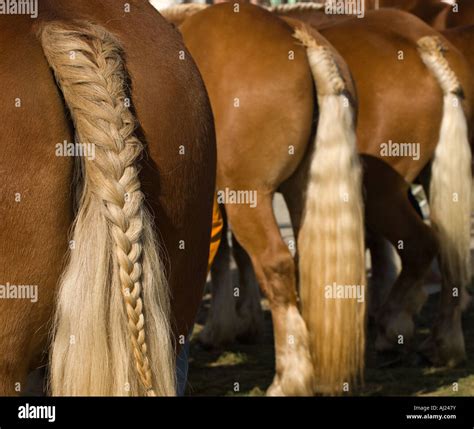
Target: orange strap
{"x": 216, "y": 232}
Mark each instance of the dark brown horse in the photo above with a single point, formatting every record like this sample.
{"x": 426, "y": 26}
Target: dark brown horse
{"x": 112, "y": 324}
{"x": 461, "y": 14}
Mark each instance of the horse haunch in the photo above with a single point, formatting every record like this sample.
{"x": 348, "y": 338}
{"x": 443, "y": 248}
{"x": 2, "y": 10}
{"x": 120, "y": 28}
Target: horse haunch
{"x": 114, "y": 303}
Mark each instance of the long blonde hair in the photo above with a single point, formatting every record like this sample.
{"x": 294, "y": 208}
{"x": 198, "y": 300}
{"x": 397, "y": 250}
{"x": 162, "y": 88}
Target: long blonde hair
{"x": 331, "y": 238}
{"x": 111, "y": 333}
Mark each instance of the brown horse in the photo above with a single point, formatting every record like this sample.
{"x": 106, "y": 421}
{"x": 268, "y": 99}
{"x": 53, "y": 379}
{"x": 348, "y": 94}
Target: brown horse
{"x": 112, "y": 328}
{"x": 433, "y": 12}
{"x": 460, "y": 15}
{"x": 382, "y": 84}
{"x": 438, "y": 14}
{"x": 261, "y": 85}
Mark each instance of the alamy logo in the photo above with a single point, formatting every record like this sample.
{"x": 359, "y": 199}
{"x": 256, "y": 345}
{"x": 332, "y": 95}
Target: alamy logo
{"x": 45, "y": 412}
{"x": 19, "y": 7}
{"x": 392, "y": 149}
{"x": 345, "y": 7}
{"x": 336, "y": 291}
{"x": 9, "y": 291}
{"x": 86, "y": 150}
{"x": 232, "y": 196}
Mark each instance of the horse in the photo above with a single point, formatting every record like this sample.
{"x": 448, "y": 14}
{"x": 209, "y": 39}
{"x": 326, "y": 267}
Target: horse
{"x": 433, "y": 12}
{"x": 264, "y": 76}
{"x": 387, "y": 179}
{"x": 105, "y": 237}
{"x": 439, "y": 14}
{"x": 459, "y": 15}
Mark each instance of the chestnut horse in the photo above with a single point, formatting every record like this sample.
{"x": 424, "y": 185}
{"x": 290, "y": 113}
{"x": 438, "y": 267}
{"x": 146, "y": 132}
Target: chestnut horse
{"x": 261, "y": 82}
{"x": 433, "y": 12}
{"x": 437, "y": 13}
{"x": 140, "y": 214}
{"x": 386, "y": 114}
{"x": 432, "y": 118}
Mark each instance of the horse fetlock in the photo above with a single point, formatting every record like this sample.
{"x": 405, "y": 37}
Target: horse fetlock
{"x": 445, "y": 346}
{"x": 295, "y": 379}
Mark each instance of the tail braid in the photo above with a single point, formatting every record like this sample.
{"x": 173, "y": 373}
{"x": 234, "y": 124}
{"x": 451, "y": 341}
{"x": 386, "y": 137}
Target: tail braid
{"x": 432, "y": 53}
{"x": 333, "y": 218}
{"x": 97, "y": 73}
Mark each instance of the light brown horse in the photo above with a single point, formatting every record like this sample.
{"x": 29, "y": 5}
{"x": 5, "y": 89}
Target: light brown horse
{"x": 141, "y": 225}
{"x": 388, "y": 115}
{"x": 432, "y": 119}
{"x": 261, "y": 85}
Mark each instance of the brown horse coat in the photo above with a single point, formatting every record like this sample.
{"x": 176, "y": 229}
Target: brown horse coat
{"x": 36, "y": 206}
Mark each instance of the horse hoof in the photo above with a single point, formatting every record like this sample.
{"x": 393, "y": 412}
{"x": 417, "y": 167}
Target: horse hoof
{"x": 208, "y": 339}
{"x": 275, "y": 388}
{"x": 444, "y": 352}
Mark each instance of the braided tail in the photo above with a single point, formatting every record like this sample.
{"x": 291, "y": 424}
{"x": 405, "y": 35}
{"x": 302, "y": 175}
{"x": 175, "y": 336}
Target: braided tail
{"x": 111, "y": 328}
{"x": 331, "y": 238}
{"x": 451, "y": 176}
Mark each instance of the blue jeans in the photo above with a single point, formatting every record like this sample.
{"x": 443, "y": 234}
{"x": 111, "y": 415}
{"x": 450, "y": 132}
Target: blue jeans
{"x": 182, "y": 366}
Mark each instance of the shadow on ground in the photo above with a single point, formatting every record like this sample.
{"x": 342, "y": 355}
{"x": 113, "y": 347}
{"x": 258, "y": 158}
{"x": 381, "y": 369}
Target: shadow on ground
{"x": 248, "y": 369}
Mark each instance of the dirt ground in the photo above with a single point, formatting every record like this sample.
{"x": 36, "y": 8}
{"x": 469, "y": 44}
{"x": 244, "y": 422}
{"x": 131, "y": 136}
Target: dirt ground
{"x": 215, "y": 372}
{"x": 247, "y": 370}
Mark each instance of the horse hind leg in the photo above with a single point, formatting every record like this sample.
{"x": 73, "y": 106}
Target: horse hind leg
{"x": 257, "y": 231}
{"x": 249, "y": 309}
{"x": 395, "y": 317}
{"x": 385, "y": 268}
{"x": 233, "y": 315}
{"x": 222, "y": 322}
{"x": 445, "y": 345}
{"x": 391, "y": 215}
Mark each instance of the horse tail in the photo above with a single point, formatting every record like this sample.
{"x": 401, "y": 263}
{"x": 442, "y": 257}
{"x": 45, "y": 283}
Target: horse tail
{"x": 331, "y": 240}
{"x": 111, "y": 332}
{"x": 451, "y": 177}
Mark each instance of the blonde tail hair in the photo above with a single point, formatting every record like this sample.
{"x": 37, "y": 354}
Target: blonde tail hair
{"x": 331, "y": 239}
{"x": 451, "y": 177}
{"x": 111, "y": 327}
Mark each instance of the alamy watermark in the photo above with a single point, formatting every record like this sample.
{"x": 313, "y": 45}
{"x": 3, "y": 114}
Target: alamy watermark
{"x": 19, "y": 7}
{"x": 336, "y": 291}
{"x": 41, "y": 412}
{"x": 345, "y": 7}
{"x": 237, "y": 196}
{"x": 10, "y": 291}
{"x": 86, "y": 150}
{"x": 392, "y": 149}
